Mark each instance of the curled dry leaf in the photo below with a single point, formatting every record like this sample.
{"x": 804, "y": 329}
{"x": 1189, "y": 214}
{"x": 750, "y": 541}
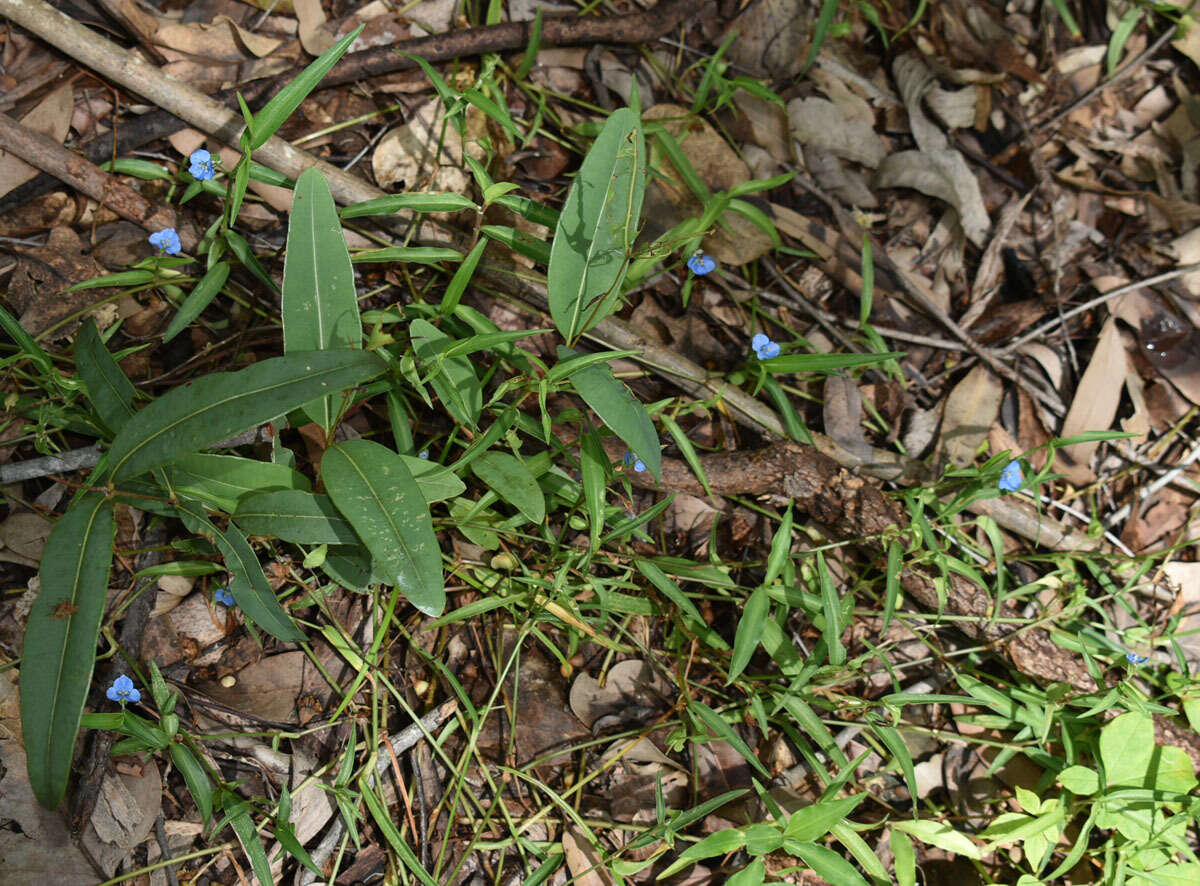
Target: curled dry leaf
{"x": 772, "y": 38}
{"x": 970, "y": 410}
{"x": 823, "y": 124}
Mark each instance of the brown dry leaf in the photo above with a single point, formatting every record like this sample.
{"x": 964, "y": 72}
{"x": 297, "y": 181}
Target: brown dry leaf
{"x": 409, "y": 155}
{"x": 632, "y": 693}
{"x": 35, "y": 842}
{"x": 268, "y": 688}
{"x": 23, "y": 535}
{"x": 843, "y": 415}
{"x": 124, "y": 815}
{"x": 935, "y": 168}
{"x": 735, "y": 240}
{"x": 772, "y": 38}
{"x": 221, "y": 41}
{"x": 584, "y": 861}
{"x": 763, "y": 123}
{"x": 37, "y": 284}
{"x": 52, "y": 117}
{"x": 1095, "y": 403}
{"x": 314, "y": 38}
{"x": 823, "y": 124}
{"x": 970, "y": 410}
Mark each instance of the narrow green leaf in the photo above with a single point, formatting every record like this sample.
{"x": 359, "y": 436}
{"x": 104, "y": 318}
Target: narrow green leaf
{"x": 194, "y": 777}
{"x": 825, "y": 362}
{"x": 123, "y": 278}
{"x": 291, "y": 515}
{"x": 320, "y": 307}
{"x": 285, "y": 102}
{"x": 393, "y": 203}
{"x": 203, "y": 293}
{"x": 599, "y": 223}
{"x": 828, "y": 863}
{"x": 222, "y": 480}
{"x": 462, "y": 277}
{"x": 60, "y": 640}
{"x": 814, "y": 822}
{"x": 832, "y": 611}
{"x": 519, "y": 242}
{"x": 508, "y": 477}
{"x": 374, "y": 489}
{"x": 223, "y": 403}
{"x": 619, "y": 409}
{"x": 781, "y": 548}
{"x": 905, "y": 865}
{"x": 421, "y": 255}
{"x": 720, "y": 843}
{"x": 749, "y": 631}
{"x": 724, "y": 731}
{"x": 388, "y": 829}
{"x": 939, "y": 834}
{"x": 238, "y": 811}
{"x": 596, "y": 469}
{"x": 453, "y": 379}
{"x": 110, "y": 392}
{"x": 248, "y": 583}
{"x": 895, "y": 743}
{"x": 684, "y": 442}
{"x": 239, "y": 247}
{"x": 892, "y": 593}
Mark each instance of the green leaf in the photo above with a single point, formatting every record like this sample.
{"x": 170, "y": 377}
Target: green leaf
{"x": 905, "y": 864}
{"x": 509, "y": 478}
{"x": 720, "y": 843}
{"x": 813, "y": 822}
{"x": 60, "y": 640}
{"x": 1126, "y": 748}
{"x": 374, "y": 489}
{"x": 285, "y": 102}
{"x": 453, "y": 379}
{"x": 598, "y": 226}
{"x": 519, "y": 242}
{"x": 753, "y": 874}
{"x": 223, "y": 403}
{"x": 596, "y": 469}
{"x": 724, "y": 731}
{"x": 462, "y": 277}
{"x": 748, "y": 633}
{"x": 194, "y": 777}
{"x": 619, "y": 409}
{"x": 384, "y": 820}
{"x": 238, "y": 811}
{"x": 203, "y": 293}
{"x": 828, "y": 864}
{"x": 393, "y": 203}
{"x": 109, "y": 391}
{"x": 437, "y": 482}
{"x": 222, "y": 480}
{"x": 286, "y": 835}
{"x": 825, "y": 362}
{"x": 939, "y": 834}
{"x": 320, "y": 307}
{"x": 292, "y": 515}
{"x": 248, "y": 583}
{"x": 1080, "y": 780}
{"x": 350, "y": 567}
{"x": 421, "y": 255}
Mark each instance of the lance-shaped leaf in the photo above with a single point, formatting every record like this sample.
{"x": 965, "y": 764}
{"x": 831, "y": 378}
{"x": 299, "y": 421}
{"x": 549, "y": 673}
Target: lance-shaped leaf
{"x": 248, "y": 583}
{"x": 619, "y": 409}
{"x": 376, "y": 492}
{"x": 291, "y": 515}
{"x": 109, "y": 390}
{"x": 320, "y": 308}
{"x": 509, "y": 478}
{"x": 220, "y": 481}
{"x": 224, "y": 403}
{"x": 60, "y": 641}
{"x": 453, "y": 378}
{"x": 598, "y": 227}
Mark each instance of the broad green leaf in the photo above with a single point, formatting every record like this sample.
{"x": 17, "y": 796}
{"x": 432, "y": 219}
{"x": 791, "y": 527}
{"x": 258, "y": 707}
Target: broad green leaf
{"x": 753, "y": 874}
{"x": 222, "y": 480}
{"x": 598, "y": 226}
{"x": 248, "y": 583}
{"x": 509, "y": 478}
{"x": 939, "y": 834}
{"x": 453, "y": 379}
{"x": 351, "y": 567}
{"x": 223, "y": 403}
{"x": 203, "y": 293}
{"x": 1173, "y": 770}
{"x": 109, "y": 391}
{"x": 437, "y": 482}
{"x": 376, "y": 492}
{"x": 320, "y": 307}
{"x": 60, "y": 640}
{"x": 194, "y": 777}
{"x": 828, "y": 864}
{"x": 238, "y": 811}
{"x": 393, "y": 203}
{"x": 1126, "y": 747}
{"x": 1080, "y": 780}
{"x": 814, "y": 822}
{"x": 749, "y": 631}
{"x": 285, "y": 102}
{"x": 292, "y": 515}
{"x": 619, "y": 409}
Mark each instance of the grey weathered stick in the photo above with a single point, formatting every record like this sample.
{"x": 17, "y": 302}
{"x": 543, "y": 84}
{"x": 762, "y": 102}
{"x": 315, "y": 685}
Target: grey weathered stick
{"x": 63, "y": 463}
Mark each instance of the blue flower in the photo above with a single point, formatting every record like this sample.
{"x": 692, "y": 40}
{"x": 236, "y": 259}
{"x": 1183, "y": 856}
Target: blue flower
{"x": 202, "y": 165}
{"x": 764, "y": 348}
{"x": 701, "y": 264}
{"x": 224, "y": 596}
{"x": 1136, "y": 659}
{"x": 634, "y": 462}
{"x": 123, "y": 690}
{"x": 1010, "y": 477}
{"x": 167, "y": 240}
{"x": 424, "y": 453}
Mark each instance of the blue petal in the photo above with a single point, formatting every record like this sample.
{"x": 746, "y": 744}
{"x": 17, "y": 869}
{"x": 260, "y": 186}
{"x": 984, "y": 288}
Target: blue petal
{"x": 701, "y": 264}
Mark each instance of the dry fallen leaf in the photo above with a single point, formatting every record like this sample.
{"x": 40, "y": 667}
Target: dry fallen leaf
{"x": 583, "y": 861}
{"x": 52, "y": 117}
{"x": 970, "y": 410}
{"x": 124, "y": 814}
{"x": 1095, "y": 404}
{"x": 409, "y": 155}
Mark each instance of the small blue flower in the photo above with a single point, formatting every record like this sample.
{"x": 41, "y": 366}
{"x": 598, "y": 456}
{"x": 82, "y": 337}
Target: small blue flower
{"x": 424, "y": 453}
{"x": 167, "y": 240}
{"x": 634, "y": 462}
{"x": 1136, "y": 659}
{"x": 764, "y": 348}
{"x": 224, "y": 596}
{"x": 1010, "y": 477}
{"x": 201, "y": 165}
{"x": 123, "y": 690}
{"x": 701, "y": 264}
